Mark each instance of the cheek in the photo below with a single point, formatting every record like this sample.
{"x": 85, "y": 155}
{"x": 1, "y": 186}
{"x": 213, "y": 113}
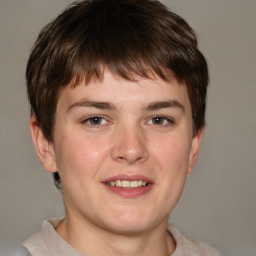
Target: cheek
{"x": 80, "y": 155}
{"x": 172, "y": 157}
{"x": 172, "y": 151}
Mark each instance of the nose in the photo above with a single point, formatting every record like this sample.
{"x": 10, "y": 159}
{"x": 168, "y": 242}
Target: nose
{"x": 129, "y": 145}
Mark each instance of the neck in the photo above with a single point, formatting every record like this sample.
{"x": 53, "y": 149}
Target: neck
{"x": 92, "y": 240}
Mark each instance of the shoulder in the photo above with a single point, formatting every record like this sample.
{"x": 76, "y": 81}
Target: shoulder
{"x": 190, "y": 247}
{"x": 36, "y": 244}
{"x": 48, "y": 241}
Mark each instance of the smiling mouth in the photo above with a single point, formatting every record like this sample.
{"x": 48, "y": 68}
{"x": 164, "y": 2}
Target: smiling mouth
{"x": 127, "y": 184}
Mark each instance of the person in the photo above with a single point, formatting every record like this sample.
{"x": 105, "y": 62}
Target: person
{"x": 117, "y": 90}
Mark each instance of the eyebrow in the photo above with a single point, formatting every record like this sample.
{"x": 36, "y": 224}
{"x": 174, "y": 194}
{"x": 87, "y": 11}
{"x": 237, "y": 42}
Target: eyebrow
{"x": 93, "y": 104}
{"x": 157, "y": 105}
{"x": 164, "y": 104}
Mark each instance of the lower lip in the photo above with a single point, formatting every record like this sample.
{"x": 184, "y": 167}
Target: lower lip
{"x": 129, "y": 192}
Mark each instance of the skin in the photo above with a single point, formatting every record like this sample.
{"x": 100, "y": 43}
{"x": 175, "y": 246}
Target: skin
{"x": 143, "y": 128}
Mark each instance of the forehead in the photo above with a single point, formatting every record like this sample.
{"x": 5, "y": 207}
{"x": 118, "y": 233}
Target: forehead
{"x": 122, "y": 92}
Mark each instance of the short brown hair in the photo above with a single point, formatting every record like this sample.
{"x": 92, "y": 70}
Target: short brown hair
{"x": 131, "y": 38}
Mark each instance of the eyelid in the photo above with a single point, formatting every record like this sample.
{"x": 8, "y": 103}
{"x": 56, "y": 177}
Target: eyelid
{"x": 170, "y": 120}
{"x": 86, "y": 119}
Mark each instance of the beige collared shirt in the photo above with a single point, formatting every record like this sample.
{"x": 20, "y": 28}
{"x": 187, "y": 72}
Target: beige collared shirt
{"x": 48, "y": 242}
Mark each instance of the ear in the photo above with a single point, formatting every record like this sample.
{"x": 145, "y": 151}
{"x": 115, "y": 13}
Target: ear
{"x": 44, "y": 149}
{"x": 195, "y": 148}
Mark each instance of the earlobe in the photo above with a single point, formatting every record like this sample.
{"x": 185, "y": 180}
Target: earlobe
{"x": 195, "y": 148}
{"x": 44, "y": 148}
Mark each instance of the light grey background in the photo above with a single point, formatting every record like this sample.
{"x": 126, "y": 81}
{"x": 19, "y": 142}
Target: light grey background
{"x": 218, "y": 204}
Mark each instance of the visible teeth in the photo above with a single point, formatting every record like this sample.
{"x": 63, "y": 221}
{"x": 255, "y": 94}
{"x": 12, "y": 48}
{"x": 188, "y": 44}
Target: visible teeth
{"x": 118, "y": 183}
{"x": 134, "y": 184}
{"x": 128, "y": 184}
{"x": 125, "y": 184}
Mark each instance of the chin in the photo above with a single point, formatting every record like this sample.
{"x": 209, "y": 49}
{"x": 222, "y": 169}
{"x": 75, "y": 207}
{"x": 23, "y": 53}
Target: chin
{"x": 130, "y": 223}
{"x": 128, "y": 229}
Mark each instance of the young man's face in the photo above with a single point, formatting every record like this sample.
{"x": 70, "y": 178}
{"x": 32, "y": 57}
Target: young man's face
{"x": 123, "y": 151}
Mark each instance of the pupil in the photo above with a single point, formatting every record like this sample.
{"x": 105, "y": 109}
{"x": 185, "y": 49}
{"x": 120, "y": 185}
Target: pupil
{"x": 95, "y": 120}
{"x": 158, "y": 120}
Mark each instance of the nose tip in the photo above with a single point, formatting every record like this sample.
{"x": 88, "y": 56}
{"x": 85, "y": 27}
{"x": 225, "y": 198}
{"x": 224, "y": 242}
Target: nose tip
{"x": 130, "y": 146}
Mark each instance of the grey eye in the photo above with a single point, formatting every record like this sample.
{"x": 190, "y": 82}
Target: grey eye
{"x": 158, "y": 120}
{"x": 95, "y": 120}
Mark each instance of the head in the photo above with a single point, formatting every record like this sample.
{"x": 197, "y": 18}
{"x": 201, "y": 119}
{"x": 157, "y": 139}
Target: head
{"x": 132, "y": 39}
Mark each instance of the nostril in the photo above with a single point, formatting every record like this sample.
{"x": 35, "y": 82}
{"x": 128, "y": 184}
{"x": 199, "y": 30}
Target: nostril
{"x": 131, "y": 158}
{"x": 130, "y": 145}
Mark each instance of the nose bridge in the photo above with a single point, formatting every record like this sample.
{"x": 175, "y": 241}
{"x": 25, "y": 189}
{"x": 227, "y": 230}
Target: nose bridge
{"x": 129, "y": 144}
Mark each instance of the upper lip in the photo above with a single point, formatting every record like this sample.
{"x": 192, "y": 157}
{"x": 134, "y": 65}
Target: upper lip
{"x": 128, "y": 178}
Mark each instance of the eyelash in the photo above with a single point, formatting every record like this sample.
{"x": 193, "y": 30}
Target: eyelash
{"x": 166, "y": 120}
{"x": 163, "y": 121}
{"x": 90, "y": 119}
